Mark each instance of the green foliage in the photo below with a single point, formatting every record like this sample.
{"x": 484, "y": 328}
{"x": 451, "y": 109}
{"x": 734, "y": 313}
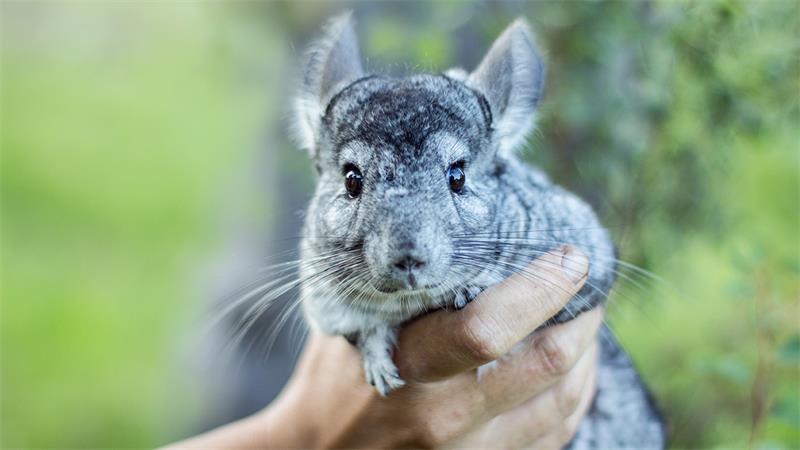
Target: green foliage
{"x": 124, "y": 124}
{"x": 110, "y": 154}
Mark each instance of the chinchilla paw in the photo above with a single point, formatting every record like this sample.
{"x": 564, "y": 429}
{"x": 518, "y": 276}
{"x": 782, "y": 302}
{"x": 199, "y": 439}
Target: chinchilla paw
{"x": 465, "y": 296}
{"x": 382, "y": 373}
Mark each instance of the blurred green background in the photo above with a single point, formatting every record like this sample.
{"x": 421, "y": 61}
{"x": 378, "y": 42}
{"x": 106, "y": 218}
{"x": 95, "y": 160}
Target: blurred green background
{"x": 139, "y": 139}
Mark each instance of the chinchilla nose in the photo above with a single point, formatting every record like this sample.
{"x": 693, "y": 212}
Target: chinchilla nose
{"x": 408, "y": 263}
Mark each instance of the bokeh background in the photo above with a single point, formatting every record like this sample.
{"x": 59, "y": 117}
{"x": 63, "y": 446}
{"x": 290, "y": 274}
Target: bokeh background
{"x": 145, "y": 167}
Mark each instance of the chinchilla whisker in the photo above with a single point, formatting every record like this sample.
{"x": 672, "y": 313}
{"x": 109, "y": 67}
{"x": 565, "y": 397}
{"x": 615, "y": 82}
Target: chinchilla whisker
{"x": 589, "y": 283}
{"x": 500, "y": 244}
{"x": 519, "y": 244}
{"x": 638, "y": 277}
{"x": 297, "y": 333}
{"x": 522, "y": 255}
{"x": 251, "y": 316}
{"x": 256, "y": 311}
{"x": 295, "y": 325}
{"x": 300, "y": 237}
{"x": 348, "y": 286}
{"x": 619, "y": 294}
{"x": 332, "y": 277}
{"x": 258, "y": 308}
{"x": 352, "y": 290}
{"x": 286, "y": 314}
{"x": 534, "y": 231}
{"x": 364, "y": 296}
{"x": 550, "y": 241}
{"x": 522, "y": 269}
{"x": 516, "y": 268}
{"x": 319, "y": 255}
{"x": 294, "y": 263}
{"x": 286, "y": 267}
{"x": 233, "y": 305}
{"x": 228, "y": 306}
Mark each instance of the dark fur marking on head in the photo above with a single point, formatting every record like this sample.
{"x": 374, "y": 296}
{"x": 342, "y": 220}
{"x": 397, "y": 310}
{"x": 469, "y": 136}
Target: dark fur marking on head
{"x": 486, "y": 110}
{"x": 333, "y": 100}
{"x": 399, "y": 116}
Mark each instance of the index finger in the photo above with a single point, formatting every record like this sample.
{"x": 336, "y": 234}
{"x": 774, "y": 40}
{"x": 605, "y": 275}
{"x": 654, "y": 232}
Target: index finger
{"x": 445, "y": 343}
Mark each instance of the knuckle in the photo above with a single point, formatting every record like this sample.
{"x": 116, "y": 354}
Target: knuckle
{"x": 435, "y": 433}
{"x": 479, "y": 342}
{"x": 569, "y": 397}
{"x": 424, "y": 433}
{"x": 556, "y": 357}
{"x": 426, "y": 438}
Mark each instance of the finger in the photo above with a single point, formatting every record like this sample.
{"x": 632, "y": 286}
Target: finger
{"x": 444, "y": 343}
{"x": 540, "y": 361}
{"x": 548, "y": 413}
{"x": 560, "y": 436}
{"x": 541, "y": 415}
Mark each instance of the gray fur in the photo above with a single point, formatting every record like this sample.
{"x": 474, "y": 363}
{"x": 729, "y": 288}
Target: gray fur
{"x": 403, "y": 135}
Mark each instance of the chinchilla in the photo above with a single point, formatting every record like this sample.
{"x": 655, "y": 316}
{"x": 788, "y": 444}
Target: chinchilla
{"x": 422, "y": 202}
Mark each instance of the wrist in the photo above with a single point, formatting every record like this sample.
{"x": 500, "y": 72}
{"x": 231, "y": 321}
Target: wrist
{"x": 286, "y": 424}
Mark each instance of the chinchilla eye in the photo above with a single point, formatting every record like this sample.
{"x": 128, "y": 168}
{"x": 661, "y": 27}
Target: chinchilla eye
{"x": 456, "y": 177}
{"x": 353, "y": 180}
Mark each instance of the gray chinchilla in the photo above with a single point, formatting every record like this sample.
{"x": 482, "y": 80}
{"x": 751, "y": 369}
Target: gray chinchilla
{"x": 422, "y": 202}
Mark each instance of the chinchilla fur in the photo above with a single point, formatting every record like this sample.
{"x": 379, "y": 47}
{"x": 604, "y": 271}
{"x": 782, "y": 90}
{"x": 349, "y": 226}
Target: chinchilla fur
{"x": 422, "y": 202}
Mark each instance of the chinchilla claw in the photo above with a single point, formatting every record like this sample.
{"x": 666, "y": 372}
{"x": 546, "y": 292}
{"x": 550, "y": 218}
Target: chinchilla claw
{"x": 382, "y": 374}
{"x": 465, "y": 296}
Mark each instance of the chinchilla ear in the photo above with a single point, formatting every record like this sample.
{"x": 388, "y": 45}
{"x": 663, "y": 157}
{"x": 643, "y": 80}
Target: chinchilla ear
{"x": 511, "y": 77}
{"x": 333, "y": 62}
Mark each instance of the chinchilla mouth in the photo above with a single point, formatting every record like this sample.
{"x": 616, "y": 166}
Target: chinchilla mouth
{"x": 399, "y": 288}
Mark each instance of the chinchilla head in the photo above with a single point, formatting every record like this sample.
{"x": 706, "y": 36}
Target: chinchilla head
{"x": 407, "y": 165}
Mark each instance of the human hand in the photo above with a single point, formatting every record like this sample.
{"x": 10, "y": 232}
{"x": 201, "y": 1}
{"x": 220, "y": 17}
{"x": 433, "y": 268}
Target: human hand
{"x": 533, "y": 391}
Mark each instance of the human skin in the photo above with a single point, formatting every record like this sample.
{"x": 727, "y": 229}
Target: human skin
{"x": 477, "y": 377}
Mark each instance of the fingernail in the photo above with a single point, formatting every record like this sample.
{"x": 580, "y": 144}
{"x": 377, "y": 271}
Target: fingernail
{"x": 574, "y": 264}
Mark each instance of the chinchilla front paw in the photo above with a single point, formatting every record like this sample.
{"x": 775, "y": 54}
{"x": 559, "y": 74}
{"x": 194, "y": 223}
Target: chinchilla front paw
{"x": 382, "y": 373}
{"x": 466, "y": 295}
{"x": 376, "y": 346}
